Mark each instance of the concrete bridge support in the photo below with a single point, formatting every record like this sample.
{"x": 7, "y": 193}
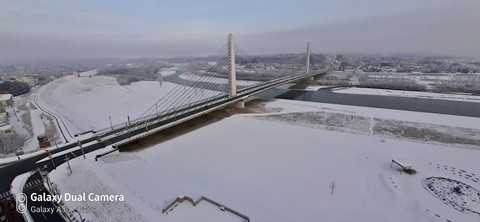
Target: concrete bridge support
{"x": 232, "y": 78}
{"x": 307, "y": 62}
{"x": 240, "y": 105}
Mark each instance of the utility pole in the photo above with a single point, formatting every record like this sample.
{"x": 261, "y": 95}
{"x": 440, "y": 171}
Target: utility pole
{"x": 111, "y": 125}
{"x": 53, "y": 162}
{"x": 68, "y": 162}
{"x": 128, "y": 127}
{"x": 80, "y": 145}
{"x": 50, "y": 156}
{"x": 307, "y": 63}
{"x": 232, "y": 77}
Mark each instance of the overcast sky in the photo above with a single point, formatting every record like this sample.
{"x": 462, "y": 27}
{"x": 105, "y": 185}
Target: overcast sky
{"x": 44, "y": 30}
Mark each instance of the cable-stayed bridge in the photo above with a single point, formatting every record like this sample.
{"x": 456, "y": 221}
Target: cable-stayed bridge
{"x": 228, "y": 81}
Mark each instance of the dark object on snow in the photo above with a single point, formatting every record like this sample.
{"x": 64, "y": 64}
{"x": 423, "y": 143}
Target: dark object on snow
{"x": 43, "y": 141}
{"x": 407, "y": 168}
{"x": 457, "y": 190}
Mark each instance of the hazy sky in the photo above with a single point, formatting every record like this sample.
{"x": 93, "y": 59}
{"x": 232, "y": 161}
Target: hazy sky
{"x": 66, "y": 29}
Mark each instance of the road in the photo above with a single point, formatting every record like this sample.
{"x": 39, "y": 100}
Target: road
{"x": 37, "y": 187}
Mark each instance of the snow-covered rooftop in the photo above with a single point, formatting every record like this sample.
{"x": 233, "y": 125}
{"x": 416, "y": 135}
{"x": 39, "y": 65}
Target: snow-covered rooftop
{"x": 4, "y": 97}
{"x": 5, "y": 127}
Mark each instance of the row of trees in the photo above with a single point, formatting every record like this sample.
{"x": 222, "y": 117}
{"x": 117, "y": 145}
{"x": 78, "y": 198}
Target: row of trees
{"x": 464, "y": 83}
{"x": 468, "y": 83}
{"x": 126, "y": 75}
{"x": 14, "y": 87}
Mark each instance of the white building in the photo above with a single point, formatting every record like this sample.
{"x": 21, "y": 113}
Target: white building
{"x": 6, "y": 100}
{"x": 6, "y": 129}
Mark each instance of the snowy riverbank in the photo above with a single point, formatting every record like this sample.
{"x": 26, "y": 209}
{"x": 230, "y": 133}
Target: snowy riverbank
{"x": 277, "y": 170}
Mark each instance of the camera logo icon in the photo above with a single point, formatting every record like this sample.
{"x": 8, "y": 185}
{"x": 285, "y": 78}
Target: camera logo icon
{"x": 21, "y": 203}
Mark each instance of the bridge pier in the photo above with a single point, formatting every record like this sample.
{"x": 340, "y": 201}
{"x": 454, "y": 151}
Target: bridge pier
{"x": 240, "y": 105}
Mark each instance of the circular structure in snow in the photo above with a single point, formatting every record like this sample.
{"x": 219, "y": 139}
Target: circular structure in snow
{"x": 454, "y": 193}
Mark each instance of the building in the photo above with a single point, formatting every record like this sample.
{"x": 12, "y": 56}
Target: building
{"x": 339, "y": 57}
{"x": 6, "y": 100}
{"x": 6, "y": 129}
{"x": 3, "y": 115}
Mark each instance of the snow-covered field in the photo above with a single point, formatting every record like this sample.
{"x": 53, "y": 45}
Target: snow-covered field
{"x": 276, "y": 170}
{"x": 86, "y": 103}
{"x": 410, "y": 94}
{"x": 168, "y": 71}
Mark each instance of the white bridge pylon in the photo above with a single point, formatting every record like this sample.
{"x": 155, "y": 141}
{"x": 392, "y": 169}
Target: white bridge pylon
{"x": 232, "y": 77}
{"x": 307, "y": 62}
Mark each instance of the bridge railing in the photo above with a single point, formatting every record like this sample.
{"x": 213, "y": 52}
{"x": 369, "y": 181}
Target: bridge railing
{"x": 180, "y": 112}
{"x": 225, "y": 99}
{"x": 165, "y": 114}
{"x": 153, "y": 118}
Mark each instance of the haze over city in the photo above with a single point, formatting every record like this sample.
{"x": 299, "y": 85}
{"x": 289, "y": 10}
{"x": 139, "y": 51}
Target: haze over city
{"x": 33, "y": 31}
